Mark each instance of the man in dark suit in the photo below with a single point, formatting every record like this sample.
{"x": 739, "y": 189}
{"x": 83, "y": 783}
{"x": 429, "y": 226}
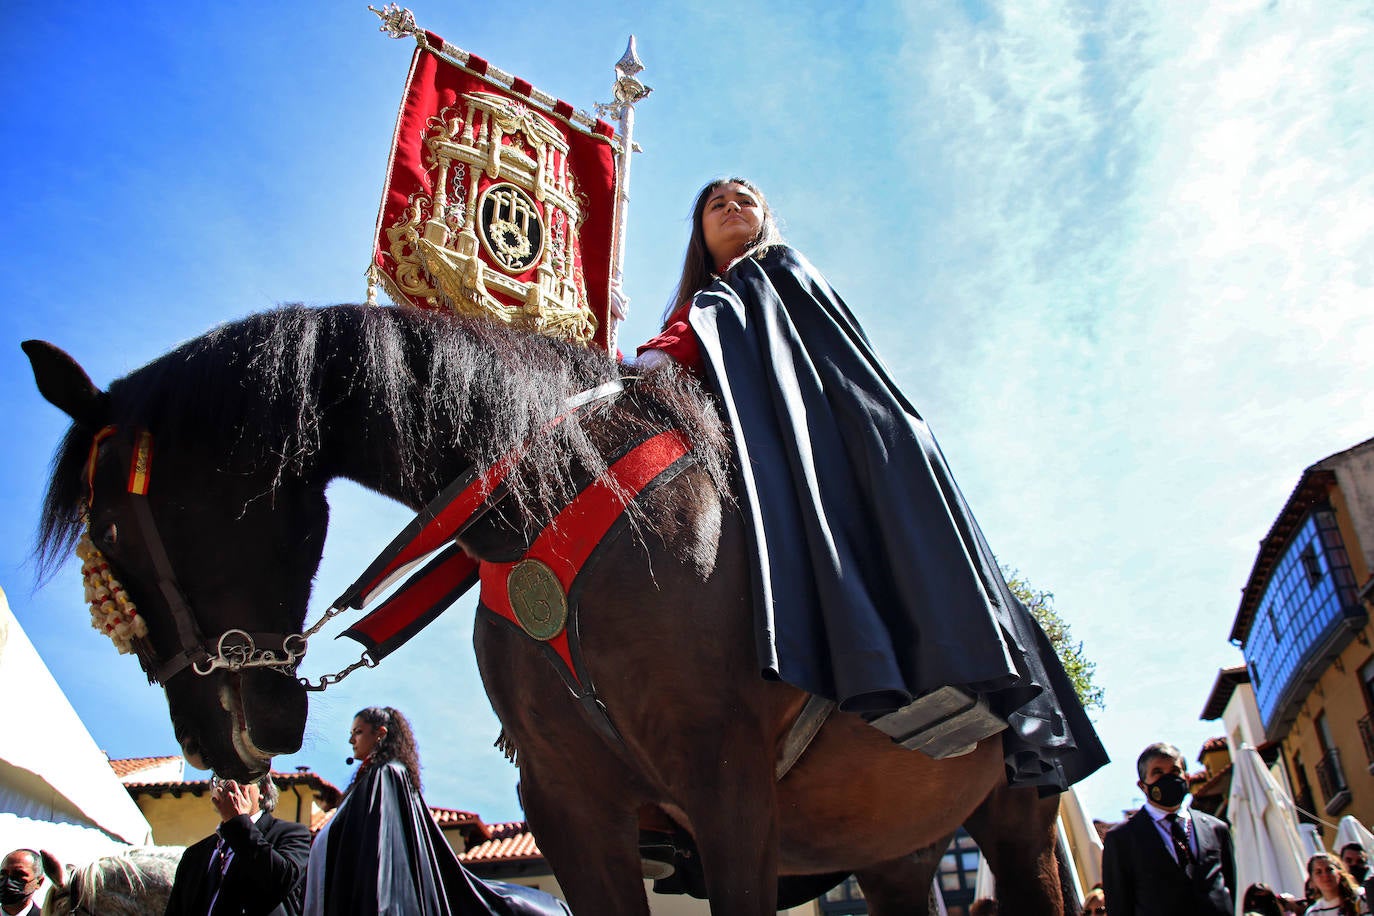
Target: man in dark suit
{"x": 1168, "y": 860}
{"x": 253, "y": 865}
{"x": 21, "y": 876}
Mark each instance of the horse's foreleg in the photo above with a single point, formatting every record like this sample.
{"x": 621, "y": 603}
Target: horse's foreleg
{"x": 902, "y": 886}
{"x": 591, "y": 841}
{"x": 733, "y": 811}
{"x": 1015, "y": 830}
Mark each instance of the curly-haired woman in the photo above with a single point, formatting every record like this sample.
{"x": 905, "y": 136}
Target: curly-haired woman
{"x": 382, "y": 851}
{"x": 1334, "y": 892}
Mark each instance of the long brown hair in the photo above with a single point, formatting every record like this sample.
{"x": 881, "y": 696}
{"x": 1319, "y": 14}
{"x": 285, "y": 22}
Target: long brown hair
{"x": 698, "y": 270}
{"x": 397, "y": 744}
{"x": 1345, "y": 883}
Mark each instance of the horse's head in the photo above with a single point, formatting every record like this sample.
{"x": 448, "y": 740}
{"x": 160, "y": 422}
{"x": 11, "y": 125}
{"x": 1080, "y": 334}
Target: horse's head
{"x": 135, "y": 883}
{"x": 214, "y": 546}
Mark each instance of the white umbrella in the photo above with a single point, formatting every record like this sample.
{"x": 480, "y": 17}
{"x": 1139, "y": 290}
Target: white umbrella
{"x": 1080, "y": 836}
{"x": 1349, "y": 830}
{"x": 1264, "y": 824}
{"x": 985, "y": 885}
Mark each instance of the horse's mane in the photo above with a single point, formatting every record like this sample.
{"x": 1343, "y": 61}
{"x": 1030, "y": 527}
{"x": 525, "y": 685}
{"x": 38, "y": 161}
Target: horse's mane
{"x": 137, "y": 881}
{"x": 258, "y": 390}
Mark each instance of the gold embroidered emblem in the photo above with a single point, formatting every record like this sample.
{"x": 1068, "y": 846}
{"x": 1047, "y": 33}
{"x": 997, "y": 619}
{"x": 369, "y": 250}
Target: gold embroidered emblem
{"x": 511, "y": 229}
{"x": 536, "y": 597}
{"x": 504, "y": 205}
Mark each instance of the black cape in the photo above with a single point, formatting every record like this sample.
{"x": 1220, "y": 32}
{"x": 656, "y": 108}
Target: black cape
{"x": 873, "y": 583}
{"x": 383, "y": 854}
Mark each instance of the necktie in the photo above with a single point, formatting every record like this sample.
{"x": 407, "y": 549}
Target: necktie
{"x": 1180, "y": 838}
{"x": 219, "y": 864}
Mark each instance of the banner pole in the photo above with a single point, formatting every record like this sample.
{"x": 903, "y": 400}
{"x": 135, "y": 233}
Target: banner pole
{"x": 628, "y": 92}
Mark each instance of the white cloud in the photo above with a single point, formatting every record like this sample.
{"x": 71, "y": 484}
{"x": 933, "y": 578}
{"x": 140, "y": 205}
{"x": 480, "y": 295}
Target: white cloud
{"x": 1155, "y": 259}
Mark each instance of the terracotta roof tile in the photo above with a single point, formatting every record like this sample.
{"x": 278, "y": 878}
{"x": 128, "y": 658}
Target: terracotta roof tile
{"x": 507, "y": 829}
{"x": 128, "y": 765}
{"x": 507, "y": 845}
{"x": 1213, "y": 786}
{"x": 1214, "y": 744}
{"x": 329, "y": 793}
{"x": 452, "y": 817}
{"x": 446, "y": 818}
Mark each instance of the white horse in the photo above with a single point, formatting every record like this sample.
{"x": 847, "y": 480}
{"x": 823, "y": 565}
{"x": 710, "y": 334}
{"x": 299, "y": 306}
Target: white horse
{"x": 137, "y": 882}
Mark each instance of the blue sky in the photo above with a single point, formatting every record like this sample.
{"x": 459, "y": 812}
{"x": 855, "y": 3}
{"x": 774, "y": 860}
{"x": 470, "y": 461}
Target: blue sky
{"x": 1119, "y": 254}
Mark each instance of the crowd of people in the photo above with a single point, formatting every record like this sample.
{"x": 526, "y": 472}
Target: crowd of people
{"x": 381, "y": 852}
{"x": 1170, "y": 859}
{"x": 1334, "y": 888}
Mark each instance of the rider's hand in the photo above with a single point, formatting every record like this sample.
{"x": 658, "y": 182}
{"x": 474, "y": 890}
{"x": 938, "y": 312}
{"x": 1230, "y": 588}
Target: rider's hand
{"x": 620, "y": 303}
{"x": 652, "y": 359}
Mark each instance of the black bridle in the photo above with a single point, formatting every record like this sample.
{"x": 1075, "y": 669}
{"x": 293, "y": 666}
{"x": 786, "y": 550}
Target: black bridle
{"x": 234, "y": 649}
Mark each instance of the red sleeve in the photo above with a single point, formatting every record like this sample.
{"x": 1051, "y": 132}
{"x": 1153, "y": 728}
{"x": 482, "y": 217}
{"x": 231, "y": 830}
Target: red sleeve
{"x": 678, "y": 340}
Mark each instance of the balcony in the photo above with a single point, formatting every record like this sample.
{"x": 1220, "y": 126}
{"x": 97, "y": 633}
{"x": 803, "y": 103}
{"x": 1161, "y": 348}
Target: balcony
{"x": 1332, "y": 779}
{"x": 1367, "y": 738}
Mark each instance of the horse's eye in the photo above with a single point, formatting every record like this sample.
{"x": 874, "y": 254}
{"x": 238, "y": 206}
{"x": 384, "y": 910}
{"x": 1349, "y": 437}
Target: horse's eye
{"x": 110, "y": 537}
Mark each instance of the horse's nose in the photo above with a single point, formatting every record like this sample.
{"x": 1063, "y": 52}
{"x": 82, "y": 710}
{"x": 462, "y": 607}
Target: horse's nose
{"x": 190, "y": 749}
{"x": 274, "y": 710}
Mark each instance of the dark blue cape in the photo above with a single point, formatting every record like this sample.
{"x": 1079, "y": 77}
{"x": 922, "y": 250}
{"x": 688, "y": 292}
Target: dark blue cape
{"x": 873, "y": 583}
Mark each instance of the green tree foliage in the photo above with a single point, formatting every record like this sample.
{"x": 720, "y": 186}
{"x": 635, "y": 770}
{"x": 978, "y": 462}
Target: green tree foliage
{"x": 1079, "y": 667}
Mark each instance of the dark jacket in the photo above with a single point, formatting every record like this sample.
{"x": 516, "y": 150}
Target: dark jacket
{"x": 264, "y": 877}
{"x": 1141, "y": 878}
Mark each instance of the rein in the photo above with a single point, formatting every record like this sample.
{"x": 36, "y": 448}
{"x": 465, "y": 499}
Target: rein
{"x": 444, "y": 519}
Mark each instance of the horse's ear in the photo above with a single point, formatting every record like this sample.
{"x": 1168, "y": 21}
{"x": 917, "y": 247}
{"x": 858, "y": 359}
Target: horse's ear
{"x": 51, "y": 867}
{"x": 66, "y": 385}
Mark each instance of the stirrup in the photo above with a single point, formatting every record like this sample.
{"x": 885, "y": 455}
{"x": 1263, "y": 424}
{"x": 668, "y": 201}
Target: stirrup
{"x": 657, "y": 855}
{"x": 948, "y": 722}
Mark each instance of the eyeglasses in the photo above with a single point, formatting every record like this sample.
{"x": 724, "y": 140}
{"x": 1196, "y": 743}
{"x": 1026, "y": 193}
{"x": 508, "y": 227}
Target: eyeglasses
{"x": 1094, "y": 911}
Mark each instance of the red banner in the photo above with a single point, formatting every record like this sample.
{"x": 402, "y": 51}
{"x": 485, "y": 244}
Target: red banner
{"x": 496, "y": 205}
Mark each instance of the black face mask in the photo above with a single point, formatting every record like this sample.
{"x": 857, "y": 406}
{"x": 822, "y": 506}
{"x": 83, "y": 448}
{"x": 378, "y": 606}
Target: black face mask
{"x": 14, "y": 890}
{"x": 1168, "y": 790}
{"x": 1359, "y": 872}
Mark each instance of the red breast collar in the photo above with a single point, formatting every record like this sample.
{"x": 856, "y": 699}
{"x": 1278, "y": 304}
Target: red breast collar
{"x": 538, "y": 593}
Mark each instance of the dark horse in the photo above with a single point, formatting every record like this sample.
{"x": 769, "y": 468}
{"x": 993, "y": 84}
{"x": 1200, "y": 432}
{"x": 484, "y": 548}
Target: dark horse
{"x": 252, "y": 421}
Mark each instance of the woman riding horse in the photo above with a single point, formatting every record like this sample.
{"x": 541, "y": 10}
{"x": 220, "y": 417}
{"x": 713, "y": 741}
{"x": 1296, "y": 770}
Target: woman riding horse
{"x": 402, "y": 402}
{"x": 873, "y": 584}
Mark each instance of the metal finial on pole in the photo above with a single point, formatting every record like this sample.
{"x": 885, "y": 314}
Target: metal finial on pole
{"x": 628, "y": 91}
{"x": 630, "y": 65}
{"x": 396, "y": 22}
